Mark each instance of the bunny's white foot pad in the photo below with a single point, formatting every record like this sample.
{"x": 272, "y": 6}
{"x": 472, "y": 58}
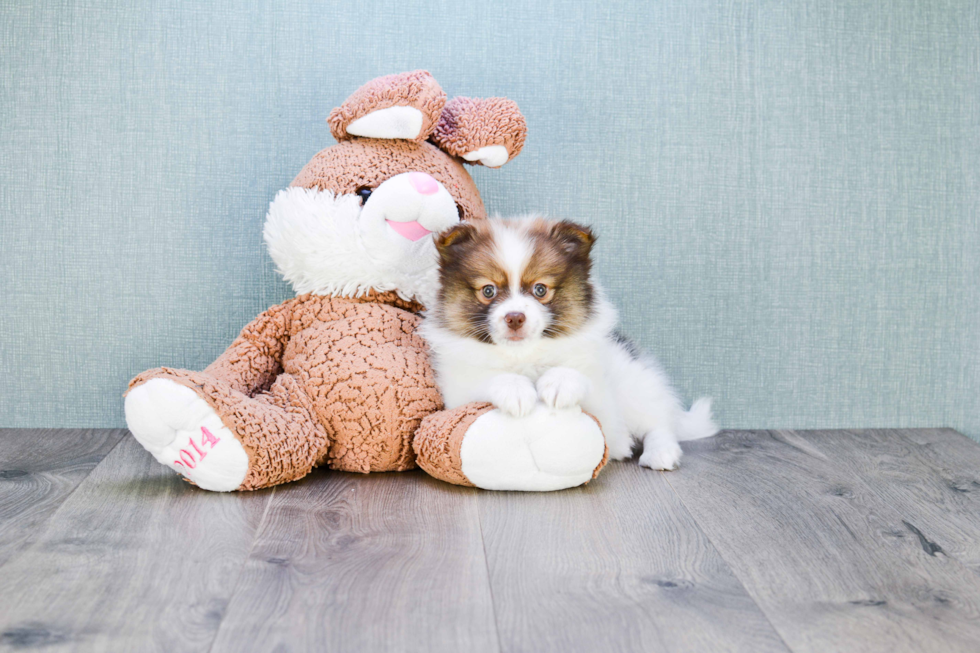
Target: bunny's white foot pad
{"x": 184, "y": 433}
{"x": 550, "y": 449}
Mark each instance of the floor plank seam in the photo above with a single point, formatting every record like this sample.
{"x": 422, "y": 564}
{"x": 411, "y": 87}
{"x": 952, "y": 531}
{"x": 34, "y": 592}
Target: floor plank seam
{"x": 68, "y": 496}
{"x": 728, "y": 564}
{"x": 927, "y": 542}
{"x": 486, "y": 565}
{"x": 47, "y": 520}
{"x": 848, "y": 539}
{"x": 241, "y": 569}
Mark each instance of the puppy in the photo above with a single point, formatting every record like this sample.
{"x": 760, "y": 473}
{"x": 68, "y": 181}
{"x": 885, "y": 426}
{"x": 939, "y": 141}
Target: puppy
{"x": 519, "y": 319}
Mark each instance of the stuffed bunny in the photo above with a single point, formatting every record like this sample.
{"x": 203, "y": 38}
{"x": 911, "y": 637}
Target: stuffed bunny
{"x": 338, "y": 375}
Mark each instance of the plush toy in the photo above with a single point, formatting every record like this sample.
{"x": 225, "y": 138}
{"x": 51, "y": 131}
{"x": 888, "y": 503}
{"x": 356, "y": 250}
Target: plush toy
{"x": 338, "y": 376}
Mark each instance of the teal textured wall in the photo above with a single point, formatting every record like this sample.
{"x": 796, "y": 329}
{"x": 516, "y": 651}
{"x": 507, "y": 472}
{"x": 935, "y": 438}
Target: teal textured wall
{"x": 787, "y": 192}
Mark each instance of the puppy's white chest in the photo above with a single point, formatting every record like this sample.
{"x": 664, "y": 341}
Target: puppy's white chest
{"x": 534, "y": 364}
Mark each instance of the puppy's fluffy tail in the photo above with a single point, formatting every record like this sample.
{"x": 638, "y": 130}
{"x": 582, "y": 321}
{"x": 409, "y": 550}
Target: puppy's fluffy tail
{"x": 697, "y": 423}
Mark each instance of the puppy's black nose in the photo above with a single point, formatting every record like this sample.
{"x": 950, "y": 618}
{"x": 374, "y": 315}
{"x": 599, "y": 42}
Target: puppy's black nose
{"x": 515, "y": 320}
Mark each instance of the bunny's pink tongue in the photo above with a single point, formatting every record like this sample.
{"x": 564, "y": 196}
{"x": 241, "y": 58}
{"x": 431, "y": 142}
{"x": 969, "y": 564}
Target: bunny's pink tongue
{"x": 411, "y": 230}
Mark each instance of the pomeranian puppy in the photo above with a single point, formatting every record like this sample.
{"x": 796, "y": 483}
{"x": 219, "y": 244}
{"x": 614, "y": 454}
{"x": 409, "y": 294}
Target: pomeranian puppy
{"x": 519, "y": 319}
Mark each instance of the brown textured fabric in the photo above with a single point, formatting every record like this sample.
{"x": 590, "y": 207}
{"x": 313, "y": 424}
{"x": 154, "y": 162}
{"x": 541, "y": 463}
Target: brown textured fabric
{"x": 253, "y": 361}
{"x": 366, "y": 162}
{"x": 278, "y": 428}
{"x": 415, "y": 89}
{"x": 391, "y": 298}
{"x": 370, "y": 376}
{"x": 605, "y": 452}
{"x": 321, "y": 380}
{"x": 602, "y": 463}
{"x": 439, "y": 438}
{"x": 467, "y": 124}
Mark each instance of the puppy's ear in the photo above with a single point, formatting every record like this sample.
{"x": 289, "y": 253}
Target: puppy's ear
{"x": 574, "y": 238}
{"x": 490, "y": 131}
{"x": 405, "y": 106}
{"x": 449, "y": 241}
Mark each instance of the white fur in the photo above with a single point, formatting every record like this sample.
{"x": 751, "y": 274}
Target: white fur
{"x": 331, "y": 245}
{"x": 393, "y": 122}
{"x": 631, "y": 397}
{"x": 512, "y": 393}
{"x": 563, "y": 387}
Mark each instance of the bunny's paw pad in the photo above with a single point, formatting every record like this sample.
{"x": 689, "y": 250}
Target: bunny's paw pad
{"x": 184, "y": 433}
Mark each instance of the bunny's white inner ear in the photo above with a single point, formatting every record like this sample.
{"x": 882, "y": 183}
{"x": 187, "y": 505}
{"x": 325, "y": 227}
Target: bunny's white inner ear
{"x": 393, "y": 122}
{"x": 492, "y": 156}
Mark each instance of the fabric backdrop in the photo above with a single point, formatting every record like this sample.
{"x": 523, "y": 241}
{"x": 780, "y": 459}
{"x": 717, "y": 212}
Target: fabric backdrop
{"x": 786, "y": 193}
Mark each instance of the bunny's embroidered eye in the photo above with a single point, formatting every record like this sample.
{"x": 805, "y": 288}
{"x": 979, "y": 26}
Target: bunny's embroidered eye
{"x": 489, "y": 291}
{"x": 364, "y": 193}
{"x": 539, "y": 290}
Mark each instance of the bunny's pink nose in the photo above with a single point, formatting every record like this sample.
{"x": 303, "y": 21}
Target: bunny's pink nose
{"x": 423, "y": 183}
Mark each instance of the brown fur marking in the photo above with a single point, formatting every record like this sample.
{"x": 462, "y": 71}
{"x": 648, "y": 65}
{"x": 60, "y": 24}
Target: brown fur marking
{"x": 560, "y": 260}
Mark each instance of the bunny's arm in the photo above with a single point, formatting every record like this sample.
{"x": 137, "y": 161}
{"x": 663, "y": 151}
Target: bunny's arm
{"x": 254, "y": 360}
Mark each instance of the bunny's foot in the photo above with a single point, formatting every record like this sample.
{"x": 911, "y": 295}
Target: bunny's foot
{"x": 184, "y": 433}
{"x": 480, "y": 446}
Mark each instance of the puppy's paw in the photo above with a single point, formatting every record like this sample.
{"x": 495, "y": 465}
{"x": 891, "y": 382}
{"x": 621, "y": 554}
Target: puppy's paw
{"x": 661, "y": 451}
{"x": 563, "y": 387}
{"x": 514, "y": 394}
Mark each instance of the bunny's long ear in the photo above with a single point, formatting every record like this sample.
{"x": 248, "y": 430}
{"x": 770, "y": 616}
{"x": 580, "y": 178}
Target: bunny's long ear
{"x": 404, "y": 106}
{"x": 488, "y": 131}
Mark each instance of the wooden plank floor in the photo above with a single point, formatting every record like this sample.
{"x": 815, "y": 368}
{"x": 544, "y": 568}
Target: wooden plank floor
{"x": 762, "y": 541}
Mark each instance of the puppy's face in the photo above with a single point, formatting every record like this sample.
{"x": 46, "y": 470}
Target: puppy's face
{"x": 507, "y": 282}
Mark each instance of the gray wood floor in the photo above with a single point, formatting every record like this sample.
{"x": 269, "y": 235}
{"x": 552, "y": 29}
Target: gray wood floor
{"x": 763, "y": 541}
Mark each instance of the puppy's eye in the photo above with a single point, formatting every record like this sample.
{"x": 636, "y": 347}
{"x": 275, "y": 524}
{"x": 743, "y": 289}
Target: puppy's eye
{"x": 489, "y": 291}
{"x": 539, "y": 290}
{"x": 364, "y": 193}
